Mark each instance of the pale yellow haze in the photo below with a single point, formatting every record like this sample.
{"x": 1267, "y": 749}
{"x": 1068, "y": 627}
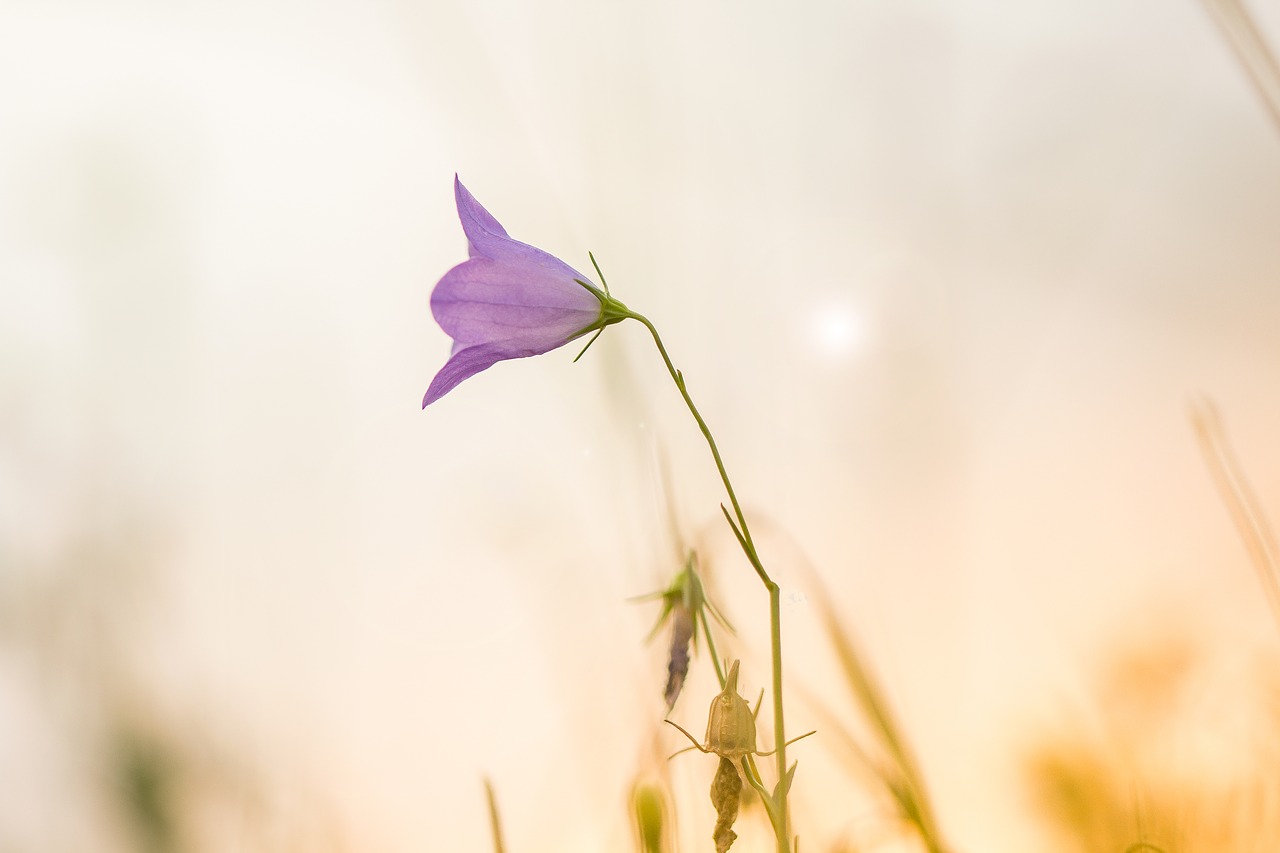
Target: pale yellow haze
{"x": 945, "y": 279}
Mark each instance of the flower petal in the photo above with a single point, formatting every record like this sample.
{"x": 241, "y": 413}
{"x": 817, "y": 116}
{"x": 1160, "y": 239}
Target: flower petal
{"x": 486, "y": 238}
{"x": 482, "y": 230}
{"x": 463, "y": 364}
{"x": 481, "y": 301}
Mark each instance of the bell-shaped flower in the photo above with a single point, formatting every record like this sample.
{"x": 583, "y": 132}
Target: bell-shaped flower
{"x": 510, "y": 300}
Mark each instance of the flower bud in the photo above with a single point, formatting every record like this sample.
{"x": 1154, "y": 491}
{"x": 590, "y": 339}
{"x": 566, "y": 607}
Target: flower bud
{"x": 731, "y": 727}
{"x": 650, "y": 813}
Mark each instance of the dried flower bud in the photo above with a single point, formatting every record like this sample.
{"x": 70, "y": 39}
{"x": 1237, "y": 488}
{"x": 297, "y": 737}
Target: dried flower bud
{"x": 731, "y": 727}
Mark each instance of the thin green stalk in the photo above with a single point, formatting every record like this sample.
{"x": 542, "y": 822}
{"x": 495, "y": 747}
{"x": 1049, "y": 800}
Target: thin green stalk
{"x": 711, "y": 650}
{"x": 743, "y": 533}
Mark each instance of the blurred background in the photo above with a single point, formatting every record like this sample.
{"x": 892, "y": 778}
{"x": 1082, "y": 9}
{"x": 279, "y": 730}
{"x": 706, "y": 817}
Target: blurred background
{"x": 944, "y": 278}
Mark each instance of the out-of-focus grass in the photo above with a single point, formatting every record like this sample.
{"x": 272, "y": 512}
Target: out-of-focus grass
{"x": 1240, "y": 500}
{"x": 1140, "y": 783}
{"x": 495, "y": 822}
{"x": 900, "y": 773}
{"x": 140, "y": 768}
{"x": 1175, "y": 754}
{"x": 1257, "y": 58}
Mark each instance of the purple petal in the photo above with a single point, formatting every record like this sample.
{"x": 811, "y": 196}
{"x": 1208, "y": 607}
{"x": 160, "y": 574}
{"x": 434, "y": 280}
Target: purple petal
{"x": 482, "y": 230}
{"x": 482, "y": 301}
{"x": 463, "y": 364}
{"x": 486, "y": 238}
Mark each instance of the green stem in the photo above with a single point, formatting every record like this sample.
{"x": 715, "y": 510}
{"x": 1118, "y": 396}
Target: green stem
{"x": 711, "y": 650}
{"x": 743, "y": 533}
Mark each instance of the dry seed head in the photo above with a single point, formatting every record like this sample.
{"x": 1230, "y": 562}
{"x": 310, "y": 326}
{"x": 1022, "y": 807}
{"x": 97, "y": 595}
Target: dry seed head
{"x": 726, "y": 790}
{"x": 731, "y": 727}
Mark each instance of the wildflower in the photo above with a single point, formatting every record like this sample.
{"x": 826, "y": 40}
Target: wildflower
{"x": 509, "y": 300}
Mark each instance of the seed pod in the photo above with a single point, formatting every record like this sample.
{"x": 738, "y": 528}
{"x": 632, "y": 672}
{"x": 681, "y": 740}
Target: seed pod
{"x": 731, "y": 727}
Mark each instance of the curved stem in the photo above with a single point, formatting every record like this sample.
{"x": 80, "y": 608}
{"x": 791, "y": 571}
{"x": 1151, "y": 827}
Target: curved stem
{"x": 743, "y": 533}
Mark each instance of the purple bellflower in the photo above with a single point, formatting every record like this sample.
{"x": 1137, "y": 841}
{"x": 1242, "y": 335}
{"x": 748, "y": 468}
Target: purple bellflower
{"x": 509, "y": 300}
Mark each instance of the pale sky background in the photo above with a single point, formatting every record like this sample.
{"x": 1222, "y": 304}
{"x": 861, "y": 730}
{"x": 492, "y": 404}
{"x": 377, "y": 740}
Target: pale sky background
{"x": 944, "y": 278}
